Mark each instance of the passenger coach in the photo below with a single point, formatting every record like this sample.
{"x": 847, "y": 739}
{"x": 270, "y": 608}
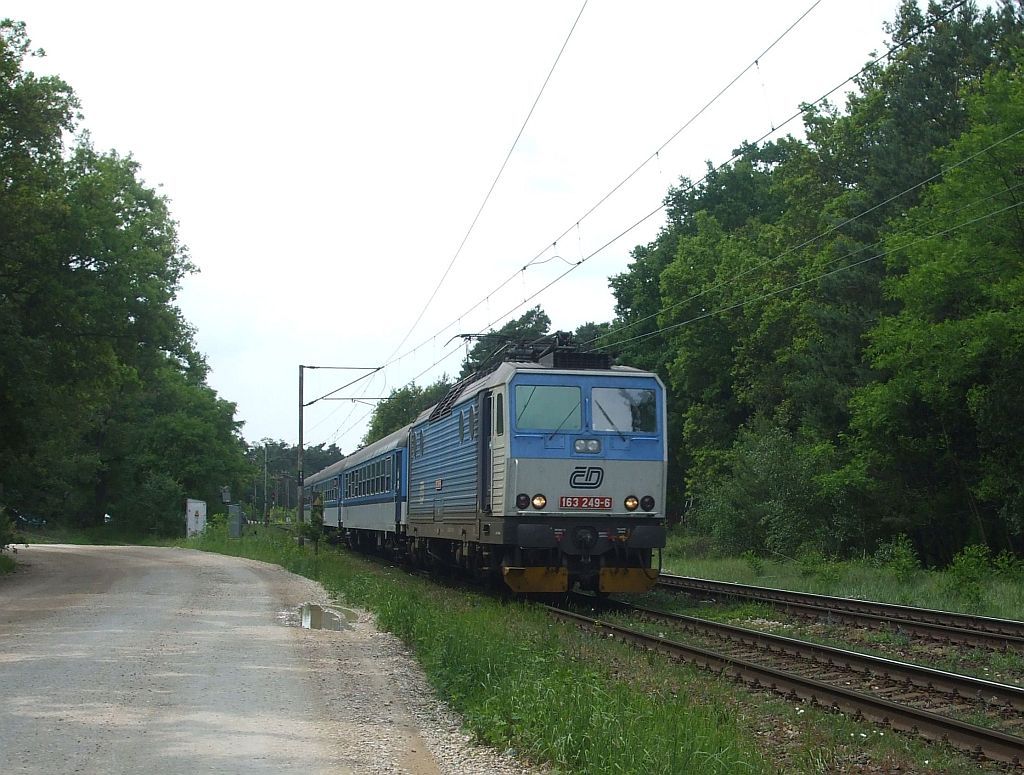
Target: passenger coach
{"x": 547, "y": 473}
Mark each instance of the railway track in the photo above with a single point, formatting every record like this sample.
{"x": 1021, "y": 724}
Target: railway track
{"x": 943, "y": 626}
{"x": 880, "y": 690}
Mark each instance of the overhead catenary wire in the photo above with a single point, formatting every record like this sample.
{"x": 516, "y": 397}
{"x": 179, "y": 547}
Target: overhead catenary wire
{"x": 803, "y": 109}
{"x": 644, "y": 218}
{"x": 769, "y": 294}
{"x": 494, "y": 183}
{"x": 967, "y": 206}
{"x": 656, "y": 155}
{"x": 391, "y": 358}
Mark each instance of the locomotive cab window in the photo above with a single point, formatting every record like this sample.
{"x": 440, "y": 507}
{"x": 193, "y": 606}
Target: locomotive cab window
{"x": 499, "y": 415}
{"x": 625, "y": 410}
{"x": 548, "y": 408}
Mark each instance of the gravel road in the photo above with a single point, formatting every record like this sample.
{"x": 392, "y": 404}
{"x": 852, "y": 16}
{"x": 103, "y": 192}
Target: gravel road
{"x": 157, "y": 660}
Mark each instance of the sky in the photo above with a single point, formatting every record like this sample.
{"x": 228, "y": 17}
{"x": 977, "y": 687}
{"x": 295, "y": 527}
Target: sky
{"x": 324, "y": 160}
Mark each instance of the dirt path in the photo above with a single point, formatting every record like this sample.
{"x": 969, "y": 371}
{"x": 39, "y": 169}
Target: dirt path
{"x": 154, "y": 660}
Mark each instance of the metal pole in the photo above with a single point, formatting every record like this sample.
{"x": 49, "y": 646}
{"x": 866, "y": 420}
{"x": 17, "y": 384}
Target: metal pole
{"x": 300, "y": 482}
{"x": 264, "y": 483}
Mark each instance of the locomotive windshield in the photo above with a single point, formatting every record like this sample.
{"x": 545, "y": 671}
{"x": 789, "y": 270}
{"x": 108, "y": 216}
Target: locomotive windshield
{"x": 548, "y": 407}
{"x": 625, "y": 410}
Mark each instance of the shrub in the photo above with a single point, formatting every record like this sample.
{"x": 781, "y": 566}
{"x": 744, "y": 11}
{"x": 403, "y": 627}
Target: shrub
{"x": 898, "y": 555}
{"x": 754, "y": 562}
{"x": 1009, "y": 566}
{"x": 814, "y": 564}
{"x": 965, "y": 578}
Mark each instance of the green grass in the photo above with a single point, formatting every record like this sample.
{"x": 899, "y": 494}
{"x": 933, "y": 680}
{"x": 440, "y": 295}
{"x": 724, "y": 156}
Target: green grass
{"x": 584, "y": 703}
{"x": 521, "y": 681}
{"x": 994, "y": 596}
{"x": 103, "y": 535}
{"x": 7, "y": 564}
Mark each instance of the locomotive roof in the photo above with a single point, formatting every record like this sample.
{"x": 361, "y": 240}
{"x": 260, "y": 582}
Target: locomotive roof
{"x": 504, "y": 372}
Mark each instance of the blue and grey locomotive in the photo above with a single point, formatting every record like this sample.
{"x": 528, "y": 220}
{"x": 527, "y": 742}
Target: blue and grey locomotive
{"x": 548, "y": 474}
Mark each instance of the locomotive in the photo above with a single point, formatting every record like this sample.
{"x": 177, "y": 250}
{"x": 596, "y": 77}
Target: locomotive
{"x": 547, "y": 472}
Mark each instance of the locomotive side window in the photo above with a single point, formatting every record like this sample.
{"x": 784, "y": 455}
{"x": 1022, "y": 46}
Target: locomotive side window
{"x": 548, "y": 408}
{"x": 499, "y": 415}
{"x": 625, "y": 409}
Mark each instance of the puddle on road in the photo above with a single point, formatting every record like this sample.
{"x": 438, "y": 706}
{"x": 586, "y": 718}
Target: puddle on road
{"x": 312, "y": 616}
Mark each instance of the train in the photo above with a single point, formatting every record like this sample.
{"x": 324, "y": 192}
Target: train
{"x": 546, "y": 472}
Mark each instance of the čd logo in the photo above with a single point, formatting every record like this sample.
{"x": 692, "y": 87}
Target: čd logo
{"x": 586, "y": 478}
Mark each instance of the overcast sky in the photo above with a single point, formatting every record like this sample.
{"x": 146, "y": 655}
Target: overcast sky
{"x": 325, "y": 159}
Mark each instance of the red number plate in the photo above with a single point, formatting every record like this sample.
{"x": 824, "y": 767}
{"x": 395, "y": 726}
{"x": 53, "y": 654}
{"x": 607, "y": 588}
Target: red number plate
{"x": 585, "y": 502}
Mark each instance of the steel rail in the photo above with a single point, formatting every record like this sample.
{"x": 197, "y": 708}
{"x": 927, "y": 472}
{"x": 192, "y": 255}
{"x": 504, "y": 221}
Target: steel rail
{"x": 993, "y": 744}
{"x": 955, "y": 684}
{"x": 948, "y": 626}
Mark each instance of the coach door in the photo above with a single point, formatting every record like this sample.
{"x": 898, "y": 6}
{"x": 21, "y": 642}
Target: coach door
{"x": 499, "y": 449}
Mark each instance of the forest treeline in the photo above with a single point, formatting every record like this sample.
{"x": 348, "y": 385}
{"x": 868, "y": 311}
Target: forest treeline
{"x": 839, "y": 319}
{"x": 104, "y": 403}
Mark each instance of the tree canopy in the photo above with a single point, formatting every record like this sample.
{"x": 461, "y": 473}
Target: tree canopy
{"x": 104, "y": 406}
{"x": 837, "y": 317}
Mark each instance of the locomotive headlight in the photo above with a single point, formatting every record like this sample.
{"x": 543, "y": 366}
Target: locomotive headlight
{"x": 593, "y": 445}
{"x": 580, "y": 445}
{"x": 539, "y": 501}
{"x": 631, "y": 503}
{"x": 647, "y": 503}
{"x": 522, "y": 500}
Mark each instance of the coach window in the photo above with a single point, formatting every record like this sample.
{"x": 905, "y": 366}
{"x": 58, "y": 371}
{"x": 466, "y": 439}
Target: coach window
{"x": 499, "y": 415}
{"x": 387, "y": 475}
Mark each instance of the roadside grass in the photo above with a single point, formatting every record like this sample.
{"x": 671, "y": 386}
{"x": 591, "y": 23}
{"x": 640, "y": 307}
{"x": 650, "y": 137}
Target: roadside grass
{"x": 7, "y": 564}
{"x": 984, "y": 594}
{"x": 521, "y": 681}
{"x": 580, "y": 702}
{"x": 102, "y": 535}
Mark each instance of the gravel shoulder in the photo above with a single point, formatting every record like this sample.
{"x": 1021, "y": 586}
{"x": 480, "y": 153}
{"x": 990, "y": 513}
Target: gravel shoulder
{"x": 132, "y": 659}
